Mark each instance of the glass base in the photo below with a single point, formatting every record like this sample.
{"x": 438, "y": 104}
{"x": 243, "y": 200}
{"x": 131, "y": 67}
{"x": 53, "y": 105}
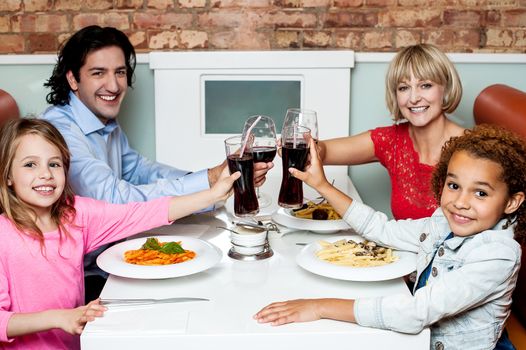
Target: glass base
{"x": 264, "y": 200}
{"x": 290, "y": 206}
{"x": 247, "y": 215}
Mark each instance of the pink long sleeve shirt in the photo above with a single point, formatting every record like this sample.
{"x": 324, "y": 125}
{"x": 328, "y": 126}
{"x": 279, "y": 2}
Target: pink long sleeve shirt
{"x": 33, "y": 282}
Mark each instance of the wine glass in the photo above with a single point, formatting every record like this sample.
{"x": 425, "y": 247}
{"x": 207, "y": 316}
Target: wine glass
{"x": 261, "y": 131}
{"x": 303, "y": 117}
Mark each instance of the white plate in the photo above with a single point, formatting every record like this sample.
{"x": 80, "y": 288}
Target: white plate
{"x": 283, "y": 217}
{"x": 112, "y": 259}
{"x": 308, "y": 260}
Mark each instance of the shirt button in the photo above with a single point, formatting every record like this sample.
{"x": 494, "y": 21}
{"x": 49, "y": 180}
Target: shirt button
{"x": 434, "y": 271}
{"x": 440, "y": 251}
{"x": 423, "y": 237}
{"x": 439, "y": 345}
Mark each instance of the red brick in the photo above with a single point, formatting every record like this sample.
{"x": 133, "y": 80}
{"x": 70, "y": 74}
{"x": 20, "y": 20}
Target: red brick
{"x": 86, "y": 19}
{"x": 37, "y": 5}
{"x": 239, "y": 3}
{"x": 160, "y": 4}
{"x": 40, "y": 23}
{"x": 410, "y": 18}
{"x": 378, "y": 40}
{"x": 10, "y": 5}
{"x": 405, "y": 38}
{"x": 239, "y": 40}
{"x": 316, "y": 3}
{"x": 287, "y": 39}
{"x": 138, "y": 40}
{"x": 91, "y": 5}
{"x": 514, "y": 18}
{"x": 419, "y": 3}
{"x": 191, "y": 39}
{"x": 42, "y": 43}
{"x": 287, "y": 3}
{"x": 348, "y": 39}
{"x": 10, "y": 43}
{"x": 191, "y": 3}
{"x": 491, "y": 18}
{"x": 439, "y": 38}
{"x": 347, "y": 3}
{"x": 467, "y": 38}
{"x": 350, "y": 19}
{"x": 499, "y": 37}
{"x": 380, "y": 3}
{"x": 129, "y": 4}
{"x": 291, "y": 19}
{"x": 232, "y": 18}
{"x": 178, "y": 39}
{"x": 64, "y": 5}
{"x": 462, "y": 18}
{"x": 116, "y": 19}
{"x": 62, "y": 38}
{"x": 520, "y": 38}
{"x": 163, "y": 40}
{"x": 169, "y": 20}
{"x": 316, "y": 39}
{"x": 4, "y": 24}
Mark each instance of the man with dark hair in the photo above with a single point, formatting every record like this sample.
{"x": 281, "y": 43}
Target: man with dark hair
{"x": 95, "y": 67}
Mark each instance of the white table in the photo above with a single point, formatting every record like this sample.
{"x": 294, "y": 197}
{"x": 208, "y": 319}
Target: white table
{"x": 237, "y": 290}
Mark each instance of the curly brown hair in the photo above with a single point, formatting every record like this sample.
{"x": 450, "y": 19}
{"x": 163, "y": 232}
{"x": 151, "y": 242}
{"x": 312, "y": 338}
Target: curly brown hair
{"x": 500, "y": 146}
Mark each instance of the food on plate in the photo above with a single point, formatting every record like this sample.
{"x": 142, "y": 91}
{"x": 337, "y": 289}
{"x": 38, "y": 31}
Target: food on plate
{"x": 321, "y": 211}
{"x": 154, "y": 252}
{"x": 355, "y": 254}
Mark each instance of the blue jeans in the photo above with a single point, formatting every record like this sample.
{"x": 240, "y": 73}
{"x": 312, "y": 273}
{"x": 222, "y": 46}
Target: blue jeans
{"x": 504, "y": 342}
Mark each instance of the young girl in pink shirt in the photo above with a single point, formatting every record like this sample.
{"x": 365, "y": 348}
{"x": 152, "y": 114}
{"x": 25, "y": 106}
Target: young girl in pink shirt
{"x": 45, "y": 231}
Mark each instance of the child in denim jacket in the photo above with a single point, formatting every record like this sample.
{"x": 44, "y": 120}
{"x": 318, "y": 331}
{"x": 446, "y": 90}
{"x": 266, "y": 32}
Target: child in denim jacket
{"x": 468, "y": 254}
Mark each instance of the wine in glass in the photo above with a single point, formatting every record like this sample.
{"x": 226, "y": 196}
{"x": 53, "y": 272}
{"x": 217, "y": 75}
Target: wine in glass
{"x": 303, "y": 117}
{"x": 263, "y": 139}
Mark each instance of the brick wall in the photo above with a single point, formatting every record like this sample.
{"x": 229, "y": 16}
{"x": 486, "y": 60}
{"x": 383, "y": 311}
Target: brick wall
{"x": 39, "y": 26}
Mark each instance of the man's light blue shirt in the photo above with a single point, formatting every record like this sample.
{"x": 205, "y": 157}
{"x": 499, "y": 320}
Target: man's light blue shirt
{"x": 104, "y": 166}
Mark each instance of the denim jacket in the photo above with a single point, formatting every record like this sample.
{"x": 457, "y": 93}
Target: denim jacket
{"x": 468, "y": 295}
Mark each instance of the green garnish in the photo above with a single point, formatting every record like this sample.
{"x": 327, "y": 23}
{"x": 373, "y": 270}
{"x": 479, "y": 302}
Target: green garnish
{"x": 168, "y": 248}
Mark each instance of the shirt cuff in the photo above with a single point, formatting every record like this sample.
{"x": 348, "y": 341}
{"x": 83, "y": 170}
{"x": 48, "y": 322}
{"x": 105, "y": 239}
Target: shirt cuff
{"x": 368, "y": 312}
{"x": 4, "y": 320}
{"x": 195, "y": 182}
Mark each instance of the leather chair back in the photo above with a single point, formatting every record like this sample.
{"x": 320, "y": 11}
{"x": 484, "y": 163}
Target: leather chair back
{"x": 505, "y": 106}
{"x": 8, "y": 107}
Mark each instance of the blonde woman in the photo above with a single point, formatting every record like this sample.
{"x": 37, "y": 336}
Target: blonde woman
{"x": 422, "y": 85}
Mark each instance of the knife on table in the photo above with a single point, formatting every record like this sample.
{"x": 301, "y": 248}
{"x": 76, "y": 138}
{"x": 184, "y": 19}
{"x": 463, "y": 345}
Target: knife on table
{"x": 118, "y": 302}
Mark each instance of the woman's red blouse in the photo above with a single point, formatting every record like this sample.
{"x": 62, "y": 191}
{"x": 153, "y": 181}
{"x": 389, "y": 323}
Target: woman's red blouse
{"x": 411, "y": 197}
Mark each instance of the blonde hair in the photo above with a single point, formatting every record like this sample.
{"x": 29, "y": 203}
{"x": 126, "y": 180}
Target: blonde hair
{"x": 426, "y": 62}
{"x": 15, "y": 210}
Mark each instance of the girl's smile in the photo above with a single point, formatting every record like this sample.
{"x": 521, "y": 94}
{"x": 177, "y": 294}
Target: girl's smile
{"x": 474, "y": 197}
{"x": 37, "y": 173}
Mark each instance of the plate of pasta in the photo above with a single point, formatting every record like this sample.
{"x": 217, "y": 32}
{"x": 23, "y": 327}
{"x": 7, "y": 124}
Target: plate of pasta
{"x": 159, "y": 257}
{"x": 352, "y": 258}
{"x": 318, "y": 218}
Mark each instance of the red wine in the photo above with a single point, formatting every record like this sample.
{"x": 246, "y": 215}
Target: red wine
{"x": 291, "y": 192}
{"x": 245, "y": 199}
{"x": 263, "y": 154}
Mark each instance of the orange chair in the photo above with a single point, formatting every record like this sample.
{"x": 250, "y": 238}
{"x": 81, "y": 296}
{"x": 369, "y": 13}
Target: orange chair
{"x": 8, "y": 107}
{"x": 506, "y": 106}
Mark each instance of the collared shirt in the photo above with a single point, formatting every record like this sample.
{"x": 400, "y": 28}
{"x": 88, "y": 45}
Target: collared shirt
{"x": 468, "y": 295}
{"x": 105, "y": 167}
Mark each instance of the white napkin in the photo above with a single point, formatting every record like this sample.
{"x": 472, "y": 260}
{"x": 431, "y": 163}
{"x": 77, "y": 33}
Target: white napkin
{"x": 148, "y": 319}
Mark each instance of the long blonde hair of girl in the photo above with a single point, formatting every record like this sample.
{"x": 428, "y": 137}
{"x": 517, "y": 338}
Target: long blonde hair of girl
{"x": 23, "y": 217}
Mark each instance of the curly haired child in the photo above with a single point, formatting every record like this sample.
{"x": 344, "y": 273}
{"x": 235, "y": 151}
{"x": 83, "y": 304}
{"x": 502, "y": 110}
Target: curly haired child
{"x": 468, "y": 254}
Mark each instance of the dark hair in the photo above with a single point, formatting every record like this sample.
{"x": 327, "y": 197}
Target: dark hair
{"x": 22, "y": 216}
{"x": 73, "y": 53}
{"x": 500, "y": 146}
